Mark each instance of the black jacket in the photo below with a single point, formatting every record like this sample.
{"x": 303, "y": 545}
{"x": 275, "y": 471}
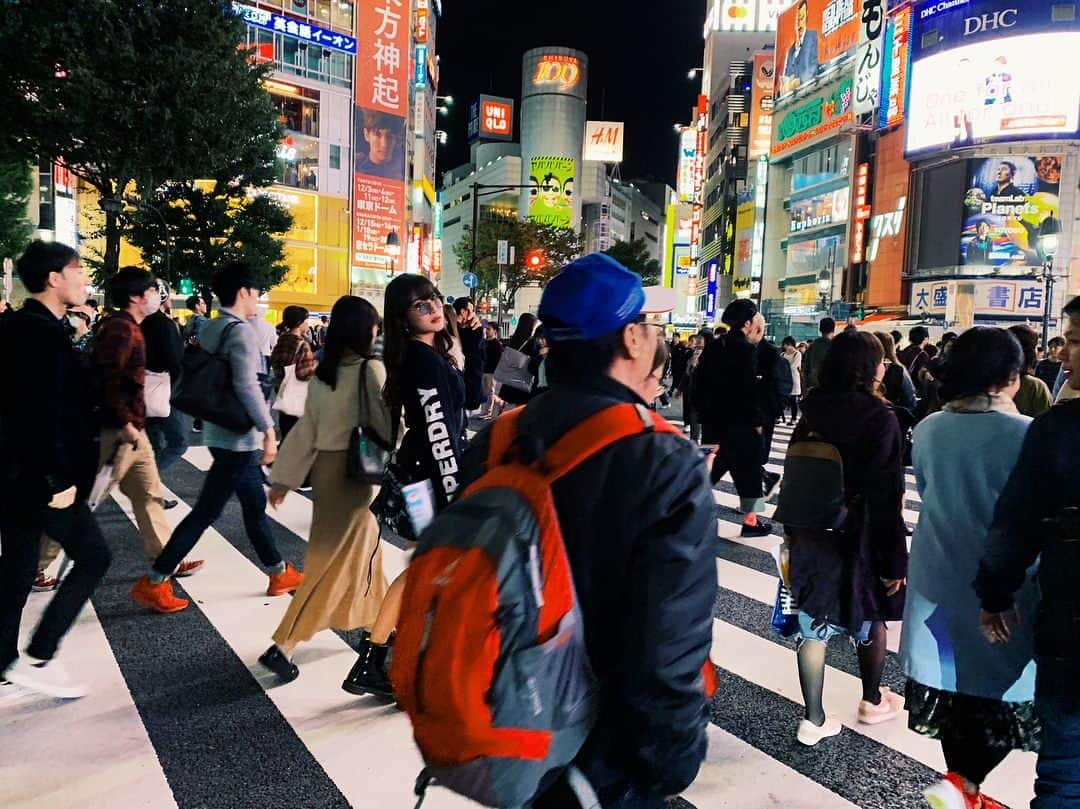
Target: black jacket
{"x": 48, "y": 413}
{"x": 639, "y": 524}
{"x": 836, "y": 576}
{"x": 436, "y": 396}
{"x": 774, "y": 380}
{"x": 164, "y": 345}
{"x": 725, "y": 388}
{"x": 1043, "y": 483}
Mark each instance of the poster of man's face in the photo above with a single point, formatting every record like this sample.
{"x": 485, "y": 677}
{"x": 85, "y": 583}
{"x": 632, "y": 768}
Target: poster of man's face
{"x": 380, "y": 144}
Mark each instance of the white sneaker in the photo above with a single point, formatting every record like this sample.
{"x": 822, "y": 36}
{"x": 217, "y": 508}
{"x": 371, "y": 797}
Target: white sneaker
{"x": 889, "y": 708}
{"x": 46, "y": 677}
{"x": 810, "y": 734}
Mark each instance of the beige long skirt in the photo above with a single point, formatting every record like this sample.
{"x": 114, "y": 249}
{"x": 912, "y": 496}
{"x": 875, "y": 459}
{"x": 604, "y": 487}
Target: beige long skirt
{"x": 343, "y": 583}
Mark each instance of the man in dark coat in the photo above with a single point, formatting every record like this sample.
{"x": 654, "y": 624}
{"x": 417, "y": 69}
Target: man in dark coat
{"x": 727, "y": 396}
{"x": 48, "y": 453}
{"x": 639, "y": 524}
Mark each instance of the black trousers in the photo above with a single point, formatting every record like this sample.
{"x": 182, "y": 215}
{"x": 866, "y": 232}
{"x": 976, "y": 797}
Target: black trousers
{"x": 20, "y": 543}
{"x": 739, "y": 451}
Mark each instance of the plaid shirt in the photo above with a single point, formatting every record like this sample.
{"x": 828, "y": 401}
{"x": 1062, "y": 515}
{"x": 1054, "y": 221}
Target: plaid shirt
{"x": 291, "y": 349}
{"x": 119, "y": 357}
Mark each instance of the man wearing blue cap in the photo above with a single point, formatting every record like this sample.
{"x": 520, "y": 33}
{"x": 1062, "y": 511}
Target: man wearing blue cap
{"x": 639, "y": 523}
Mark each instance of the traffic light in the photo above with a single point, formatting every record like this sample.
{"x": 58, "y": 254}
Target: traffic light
{"x": 534, "y": 260}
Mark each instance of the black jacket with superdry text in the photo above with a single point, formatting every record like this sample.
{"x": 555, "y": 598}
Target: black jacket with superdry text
{"x": 639, "y": 523}
{"x": 436, "y": 396}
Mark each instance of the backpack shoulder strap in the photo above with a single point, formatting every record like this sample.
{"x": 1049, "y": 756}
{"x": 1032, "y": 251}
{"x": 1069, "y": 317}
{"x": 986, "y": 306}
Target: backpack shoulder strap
{"x": 504, "y": 432}
{"x": 601, "y": 430}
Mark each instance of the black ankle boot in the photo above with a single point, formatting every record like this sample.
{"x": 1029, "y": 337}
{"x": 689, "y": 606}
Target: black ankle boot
{"x": 368, "y": 674}
{"x": 284, "y": 668}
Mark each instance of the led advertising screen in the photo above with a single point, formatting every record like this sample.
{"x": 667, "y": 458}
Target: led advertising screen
{"x": 761, "y": 105}
{"x": 382, "y": 104}
{"x": 551, "y": 191}
{"x": 810, "y": 34}
{"x": 687, "y": 151}
{"x": 894, "y": 70}
{"x": 991, "y": 71}
{"x": 1006, "y": 202}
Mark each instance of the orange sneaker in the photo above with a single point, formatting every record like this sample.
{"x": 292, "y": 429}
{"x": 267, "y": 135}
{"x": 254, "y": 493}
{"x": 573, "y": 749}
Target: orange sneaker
{"x": 187, "y": 568}
{"x": 158, "y": 597}
{"x": 285, "y": 582}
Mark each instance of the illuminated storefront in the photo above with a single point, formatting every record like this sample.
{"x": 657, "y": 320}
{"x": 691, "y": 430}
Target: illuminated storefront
{"x": 993, "y": 125}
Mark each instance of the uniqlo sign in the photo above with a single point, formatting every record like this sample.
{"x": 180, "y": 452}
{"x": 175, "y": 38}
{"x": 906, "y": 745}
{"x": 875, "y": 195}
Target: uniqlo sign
{"x": 496, "y": 119}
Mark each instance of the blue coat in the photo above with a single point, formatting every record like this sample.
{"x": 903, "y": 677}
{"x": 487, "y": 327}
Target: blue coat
{"x": 962, "y": 461}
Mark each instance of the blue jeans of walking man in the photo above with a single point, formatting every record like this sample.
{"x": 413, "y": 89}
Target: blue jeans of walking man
{"x": 169, "y": 438}
{"x": 1057, "y": 785}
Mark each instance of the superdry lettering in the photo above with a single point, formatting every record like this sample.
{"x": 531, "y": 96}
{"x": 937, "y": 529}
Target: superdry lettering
{"x": 442, "y": 450}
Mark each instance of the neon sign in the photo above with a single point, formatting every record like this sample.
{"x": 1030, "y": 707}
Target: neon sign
{"x": 564, "y": 71}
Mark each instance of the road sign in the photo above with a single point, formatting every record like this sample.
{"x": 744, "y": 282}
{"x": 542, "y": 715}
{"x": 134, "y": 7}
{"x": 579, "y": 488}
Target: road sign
{"x": 449, "y": 299}
{"x": 511, "y": 255}
{"x": 470, "y": 280}
{"x": 504, "y": 252}
{"x": 9, "y": 267}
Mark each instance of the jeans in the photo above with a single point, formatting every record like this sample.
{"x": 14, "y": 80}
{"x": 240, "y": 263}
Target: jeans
{"x": 1057, "y": 700}
{"x": 168, "y": 437}
{"x": 20, "y": 534}
{"x": 231, "y": 472}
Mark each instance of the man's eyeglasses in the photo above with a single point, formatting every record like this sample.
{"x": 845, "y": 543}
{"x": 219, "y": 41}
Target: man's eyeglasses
{"x": 427, "y": 306}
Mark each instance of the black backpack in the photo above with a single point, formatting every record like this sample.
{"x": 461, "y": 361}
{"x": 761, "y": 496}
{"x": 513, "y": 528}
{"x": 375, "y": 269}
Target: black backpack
{"x": 812, "y": 491}
{"x": 206, "y": 391}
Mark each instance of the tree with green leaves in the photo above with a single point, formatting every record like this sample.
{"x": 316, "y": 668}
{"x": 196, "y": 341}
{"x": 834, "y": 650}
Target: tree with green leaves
{"x": 16, "y": 185}
{"x": 635, "y": 257}
{"x": 188, "y": 230}
{"x": 131, "y": 94}
{"x": 558, "y": 246}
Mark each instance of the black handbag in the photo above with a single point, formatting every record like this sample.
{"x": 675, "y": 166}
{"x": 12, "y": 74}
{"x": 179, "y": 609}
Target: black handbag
{"x": 401, "y": 470}
{"x": 368, "y": 454}
{"x": 206, "y": 388}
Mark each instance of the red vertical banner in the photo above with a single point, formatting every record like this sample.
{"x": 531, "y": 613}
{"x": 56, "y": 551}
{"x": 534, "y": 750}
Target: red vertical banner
{"x": 698, "y": 178}
{"x": 382, "y": 103}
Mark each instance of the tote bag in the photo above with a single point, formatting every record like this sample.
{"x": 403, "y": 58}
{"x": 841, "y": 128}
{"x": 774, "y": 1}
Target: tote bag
{"x": 292, "y": 395}
{"x": 157, "y": 391}
{"x": 513, "y": 370}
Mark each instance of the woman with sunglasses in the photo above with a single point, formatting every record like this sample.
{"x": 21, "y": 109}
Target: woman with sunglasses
{"x": 432, "y": 377}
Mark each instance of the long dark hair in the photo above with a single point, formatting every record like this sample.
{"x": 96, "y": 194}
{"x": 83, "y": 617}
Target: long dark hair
{"x": 524, "y": 332}
{"x": 851, "y": 364}
{"x": 400, "y": 295}
{"x": 981, "y": 358}
{"x": 352, "y": 321}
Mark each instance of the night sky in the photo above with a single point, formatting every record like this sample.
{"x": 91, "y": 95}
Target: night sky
{"x": 639, "y": 54}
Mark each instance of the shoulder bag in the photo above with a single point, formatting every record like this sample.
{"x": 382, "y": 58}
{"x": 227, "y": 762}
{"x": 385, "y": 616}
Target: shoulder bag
{"x": 206, "y": 387}
{"x": 513, "y": 370}
{"x": 402, "y": 470}
{"x": 369, "y": 454}
{"x": 157, "y": 391}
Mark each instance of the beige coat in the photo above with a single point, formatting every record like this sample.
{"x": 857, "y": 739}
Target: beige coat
{"x": 343, "y": 583}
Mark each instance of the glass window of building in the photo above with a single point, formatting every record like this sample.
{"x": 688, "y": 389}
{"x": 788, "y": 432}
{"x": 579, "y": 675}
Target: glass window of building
{"x": 335, "y": 156}
{"x": 298, "y": 162}
{"x": 320, "y": 10}
{"x": 343, "y": 14}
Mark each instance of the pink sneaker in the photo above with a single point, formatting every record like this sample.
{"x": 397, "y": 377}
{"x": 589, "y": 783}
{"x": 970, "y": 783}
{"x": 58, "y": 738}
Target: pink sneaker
{"x": 889, "y": 708}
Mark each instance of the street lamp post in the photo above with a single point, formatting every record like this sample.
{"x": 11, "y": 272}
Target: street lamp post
{"x": 824, "y": 283}
{"x": 1048, "y": 245}
{"x": 135, "y": 202}
{"x": 393, "y": 249}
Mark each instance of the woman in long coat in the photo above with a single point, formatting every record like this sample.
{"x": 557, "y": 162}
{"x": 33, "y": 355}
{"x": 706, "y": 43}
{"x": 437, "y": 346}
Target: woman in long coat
{"x": 850, "y": 581}
{"x": 343, "y": 578}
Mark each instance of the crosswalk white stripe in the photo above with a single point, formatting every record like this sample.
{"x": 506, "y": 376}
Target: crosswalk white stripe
{"x": 333, "y": 725}
{"x": 738, "y": 775}
{"x": 53, "y": 752}
{"x": 774, "y": 668}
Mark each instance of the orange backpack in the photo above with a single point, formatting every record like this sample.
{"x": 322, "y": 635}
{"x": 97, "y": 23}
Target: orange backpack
{"x": 489, "y": 659}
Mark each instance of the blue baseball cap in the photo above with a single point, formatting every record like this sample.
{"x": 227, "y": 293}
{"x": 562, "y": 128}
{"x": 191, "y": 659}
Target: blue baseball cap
{"x": 593, "y": 295}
